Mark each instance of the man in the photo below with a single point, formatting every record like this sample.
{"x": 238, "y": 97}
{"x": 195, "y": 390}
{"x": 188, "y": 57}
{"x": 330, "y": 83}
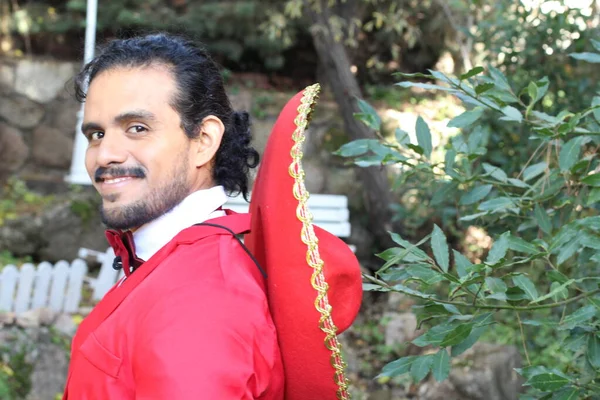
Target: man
{"x": 193, "y": 317}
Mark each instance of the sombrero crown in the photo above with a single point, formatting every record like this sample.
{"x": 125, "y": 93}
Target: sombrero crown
{"x": 314, "y": 282}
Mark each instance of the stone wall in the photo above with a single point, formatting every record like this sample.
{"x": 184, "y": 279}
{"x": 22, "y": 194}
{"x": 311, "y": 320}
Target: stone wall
{"x": 37, "y": 120}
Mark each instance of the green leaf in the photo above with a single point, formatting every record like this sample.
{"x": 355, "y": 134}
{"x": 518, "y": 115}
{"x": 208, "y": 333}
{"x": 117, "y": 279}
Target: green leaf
{"x": 498, "y": 250}
{"x": 555, "y": 289}
{"x": 569, "y": 154}
{"x": 499, "y": 78}
{"x": 589, "y": 57}
{"x": 559, "y": 295}
{"x": 397, "y": 367}
{"x": 517, "y": 244}
{"x": 424, "y": 273}
{"x": 575, "y": 342}
{"x": 542, "y": 219}
{"x": 518, "y": 183}
{"x": 484, "y": 87}
{"x": 449, "y": 162}
{"x": 534, "y": 170}
{"x": 592, "y": 180}
{"x": 557, "y": 276}
{"x": 568, "y": 250}
{"x": 402, "y": 137}
{"x": 526, "y": 285}
{"x": 476, "y": 194}
{"x": 578, "y": 317}
{"x": 495, "y": 172}
{"x": 596, "y": 112}
{"x": 370, "y": 287}
{"x": 439, "y": 245}
{"x": 460, "y": 333}
{"x": 496, "y": 285}
{"x": 593, "y": 350}
{"x": 355, "y": 148}
{"x": 427, "y": 86}
{"x": 434, "y": 336}
{"x": 411, "y": 292}
{"x": 511, "y": 114}
{"x": 570, "y": 393}
{"x": 547, "y": 382}
{"x": 471, "y": 73}
{"x": 542, "y": 86}
{"x": 471, "y": 217}
{"x": 368, "y": 115}
{"x": 443, "y": 193}
{"x": 466, "y": 119}
{"x": 496, "y": 205}
{"x": 469, "y": 341}
{"x": 532, "y": 90}
{"x": 441, "y": 365}
{"x": 424, "y": 136}
{"x": 421, "y": 367}
{"x": 462, "y": 263}
{"x": 593, "y": 197}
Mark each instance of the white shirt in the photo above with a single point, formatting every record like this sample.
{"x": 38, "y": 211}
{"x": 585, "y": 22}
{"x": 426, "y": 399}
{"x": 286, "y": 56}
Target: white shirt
{"x": 194, "y": 209}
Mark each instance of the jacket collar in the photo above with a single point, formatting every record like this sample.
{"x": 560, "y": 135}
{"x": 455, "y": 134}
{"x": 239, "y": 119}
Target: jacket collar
{"x": 197, "y": 207}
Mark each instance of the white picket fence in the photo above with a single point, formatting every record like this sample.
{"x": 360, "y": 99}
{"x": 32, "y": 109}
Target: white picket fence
{"x": 58, "y": 287}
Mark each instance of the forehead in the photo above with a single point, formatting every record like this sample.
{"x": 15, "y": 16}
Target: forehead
{"x": 121, "y": 89}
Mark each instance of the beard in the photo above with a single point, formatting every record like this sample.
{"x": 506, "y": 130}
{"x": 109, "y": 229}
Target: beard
{"x": 158, "y": 202}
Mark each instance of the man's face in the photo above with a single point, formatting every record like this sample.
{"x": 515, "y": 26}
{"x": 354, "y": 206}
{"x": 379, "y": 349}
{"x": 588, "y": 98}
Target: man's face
{"x": 139, "y": 158}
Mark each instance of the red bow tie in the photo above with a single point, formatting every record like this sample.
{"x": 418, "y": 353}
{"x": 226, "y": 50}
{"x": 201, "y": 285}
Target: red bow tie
{"x": 124, "y": 248}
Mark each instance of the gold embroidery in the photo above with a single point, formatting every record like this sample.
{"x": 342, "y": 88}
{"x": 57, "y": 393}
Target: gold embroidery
{"x": 308, "y": 236}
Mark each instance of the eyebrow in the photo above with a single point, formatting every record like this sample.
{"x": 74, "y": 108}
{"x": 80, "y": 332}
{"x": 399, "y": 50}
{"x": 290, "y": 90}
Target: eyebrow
{"x": 141, "y": 115}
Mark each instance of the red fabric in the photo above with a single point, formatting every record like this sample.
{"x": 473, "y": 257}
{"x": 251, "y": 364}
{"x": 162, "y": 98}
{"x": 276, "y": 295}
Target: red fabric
{"x": 124, "y": 248}
{"x": 275, "y": 241}
{"x": 191, "y": 323}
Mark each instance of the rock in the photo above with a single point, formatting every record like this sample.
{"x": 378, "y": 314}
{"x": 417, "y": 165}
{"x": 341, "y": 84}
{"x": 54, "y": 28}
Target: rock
{"x": 488, "y": 374}
{"x": 62, "y": 115}
{"x": 52, "y": 148}
{"x": 7, "y": 318}
{"x": 56, "y": 233}
{"x": 49, "y": 368}
{"x": 28, "y": 319}
{"x": 19, "y": 111}
{"x": 42, "y": 80}
{"x": 7, "y": 75}
{"x": 64, "y": 324}
{"x": 13, "y": 151}
{"x": 400, "y": 328}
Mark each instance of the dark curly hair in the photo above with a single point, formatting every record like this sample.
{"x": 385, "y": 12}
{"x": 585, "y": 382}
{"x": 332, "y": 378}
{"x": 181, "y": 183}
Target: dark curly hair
{"x": 201, "y": 93}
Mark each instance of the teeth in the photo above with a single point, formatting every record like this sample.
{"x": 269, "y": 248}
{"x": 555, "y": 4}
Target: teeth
{"x": 116, "y": 180}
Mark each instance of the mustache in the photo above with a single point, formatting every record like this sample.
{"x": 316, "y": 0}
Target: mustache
{"x": 118, "y": 172}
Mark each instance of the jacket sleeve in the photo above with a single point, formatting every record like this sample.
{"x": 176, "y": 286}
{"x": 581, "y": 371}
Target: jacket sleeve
{"x": 204, "y": 343}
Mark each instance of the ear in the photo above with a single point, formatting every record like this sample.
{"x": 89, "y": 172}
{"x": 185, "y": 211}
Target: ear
{"x": 208, "y": 141}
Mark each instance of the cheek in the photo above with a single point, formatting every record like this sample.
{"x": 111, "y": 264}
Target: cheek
{"x": 90, "y": 156}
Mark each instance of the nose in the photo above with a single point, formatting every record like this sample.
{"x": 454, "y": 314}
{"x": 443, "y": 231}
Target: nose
{"x": 111, "y": 150}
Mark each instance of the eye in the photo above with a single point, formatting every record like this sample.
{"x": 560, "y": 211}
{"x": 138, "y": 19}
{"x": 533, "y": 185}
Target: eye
{"x": 136, "y": 129}
{"x": 96, "y": 135}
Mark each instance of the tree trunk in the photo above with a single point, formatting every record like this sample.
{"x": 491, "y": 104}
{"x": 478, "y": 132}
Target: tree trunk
{"x": 336, "y": 67}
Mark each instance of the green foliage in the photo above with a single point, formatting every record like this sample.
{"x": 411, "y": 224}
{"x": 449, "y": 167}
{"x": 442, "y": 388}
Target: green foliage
{"x": 17, "y": 199}
{"x": 543, "y": 269}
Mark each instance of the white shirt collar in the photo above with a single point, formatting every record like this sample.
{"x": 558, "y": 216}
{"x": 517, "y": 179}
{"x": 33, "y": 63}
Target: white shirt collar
{"x": 197, "y": 207}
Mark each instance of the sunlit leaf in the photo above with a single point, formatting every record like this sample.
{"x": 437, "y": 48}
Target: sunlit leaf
{"x": 424, "y": 136}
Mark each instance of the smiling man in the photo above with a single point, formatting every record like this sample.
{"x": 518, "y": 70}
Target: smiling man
{"x": 190, "y": 320}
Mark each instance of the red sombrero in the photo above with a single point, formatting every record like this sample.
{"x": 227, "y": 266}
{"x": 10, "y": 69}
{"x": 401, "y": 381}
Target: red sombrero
{"x": 314, "y": 280}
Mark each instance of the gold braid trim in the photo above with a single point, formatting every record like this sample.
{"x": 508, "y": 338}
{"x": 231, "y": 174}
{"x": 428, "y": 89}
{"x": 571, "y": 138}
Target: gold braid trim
{"x": 309, "y": 238}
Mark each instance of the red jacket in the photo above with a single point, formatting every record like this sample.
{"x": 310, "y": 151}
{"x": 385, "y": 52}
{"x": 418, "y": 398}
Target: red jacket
{"x": 192, "y": 322}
